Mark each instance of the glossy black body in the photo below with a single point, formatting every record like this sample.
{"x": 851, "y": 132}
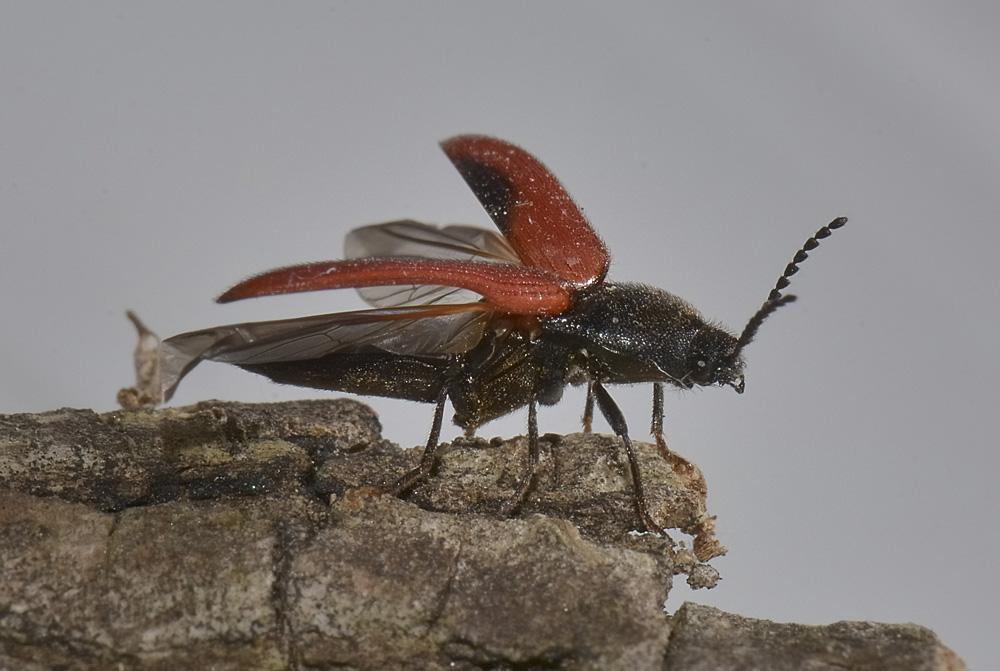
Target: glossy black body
{"x": 616, "y": 333}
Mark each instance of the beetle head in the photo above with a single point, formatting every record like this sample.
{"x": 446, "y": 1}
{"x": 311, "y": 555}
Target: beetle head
{"x": 713, "y": 358}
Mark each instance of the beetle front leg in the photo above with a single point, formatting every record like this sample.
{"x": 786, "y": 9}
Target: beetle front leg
{"x": 616, "y": 419}
{"x": 679, "y": 464}
{"x": 656, "y": 427}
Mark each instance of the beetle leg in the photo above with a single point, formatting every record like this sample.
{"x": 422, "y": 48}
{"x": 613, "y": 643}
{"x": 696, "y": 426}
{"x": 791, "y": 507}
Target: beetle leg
{"x": 529, "y": 470}
{"x": 413, "y": 477}
{"x": 588, "y": 407}
{"x": 679, "y": 464}
{"x": 616, "y": 419}
{"x": 656, "y": 428}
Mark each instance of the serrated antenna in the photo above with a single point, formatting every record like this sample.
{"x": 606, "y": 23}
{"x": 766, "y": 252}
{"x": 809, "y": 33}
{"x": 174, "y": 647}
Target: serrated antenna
{"x": 776, "y": 299}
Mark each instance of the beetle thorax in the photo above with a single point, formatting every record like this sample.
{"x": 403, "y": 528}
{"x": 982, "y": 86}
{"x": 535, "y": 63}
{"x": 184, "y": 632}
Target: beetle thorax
{"x": 637, "y": 333}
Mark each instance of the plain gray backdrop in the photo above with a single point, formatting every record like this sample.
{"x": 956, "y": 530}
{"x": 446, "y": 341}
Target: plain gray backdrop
{"x": 152, "y": 154}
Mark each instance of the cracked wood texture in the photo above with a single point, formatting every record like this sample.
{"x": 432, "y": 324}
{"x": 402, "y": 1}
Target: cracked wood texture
{"x": 241, "y": 536}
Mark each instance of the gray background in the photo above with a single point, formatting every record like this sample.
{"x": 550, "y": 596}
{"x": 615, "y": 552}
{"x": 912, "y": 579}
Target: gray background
{"x": 151, "y": 156}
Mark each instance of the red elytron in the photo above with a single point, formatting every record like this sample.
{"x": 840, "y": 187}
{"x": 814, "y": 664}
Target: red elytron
{"x": 490, "y": 323}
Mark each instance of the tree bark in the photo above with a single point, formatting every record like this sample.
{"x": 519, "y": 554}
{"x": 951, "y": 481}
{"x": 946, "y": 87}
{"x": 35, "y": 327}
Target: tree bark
{"x": 243, "y": 536}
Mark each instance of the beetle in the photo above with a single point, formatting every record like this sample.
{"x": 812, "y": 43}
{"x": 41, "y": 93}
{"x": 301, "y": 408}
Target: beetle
{"x": 490, "y": 323}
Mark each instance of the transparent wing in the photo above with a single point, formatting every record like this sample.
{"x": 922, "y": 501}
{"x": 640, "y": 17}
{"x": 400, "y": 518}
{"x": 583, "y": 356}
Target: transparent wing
{"x": 418, "y": 330}
{"x": 412, "y": 238}
{"x": 418, "y": 240}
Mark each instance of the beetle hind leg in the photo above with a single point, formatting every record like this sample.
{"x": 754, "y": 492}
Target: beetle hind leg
{"x": 426, "y": 465}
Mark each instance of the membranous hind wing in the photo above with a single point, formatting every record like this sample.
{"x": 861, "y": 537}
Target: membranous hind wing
{"x": 297, "y": 351}
{"x": 435, "y": 289}
{"x": 416, "y": 239}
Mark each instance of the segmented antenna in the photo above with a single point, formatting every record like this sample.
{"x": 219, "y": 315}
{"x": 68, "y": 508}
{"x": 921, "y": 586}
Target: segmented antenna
{"x": 776, "y": 299}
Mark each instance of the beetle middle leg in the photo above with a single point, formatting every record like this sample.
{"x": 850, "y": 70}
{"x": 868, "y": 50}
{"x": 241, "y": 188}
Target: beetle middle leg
{"x": 529, "y": 469}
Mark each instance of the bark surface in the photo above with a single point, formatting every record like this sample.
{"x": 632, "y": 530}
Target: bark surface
{"x": 259, "y": 536}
